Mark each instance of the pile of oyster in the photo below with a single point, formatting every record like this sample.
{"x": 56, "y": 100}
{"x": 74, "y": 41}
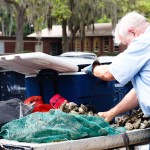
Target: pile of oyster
{"x": 135, "y": 120}
{"x": 73, "y": 108}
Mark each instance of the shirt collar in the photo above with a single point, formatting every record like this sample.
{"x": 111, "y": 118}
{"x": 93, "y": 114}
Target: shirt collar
{"x": 148, "y": 29}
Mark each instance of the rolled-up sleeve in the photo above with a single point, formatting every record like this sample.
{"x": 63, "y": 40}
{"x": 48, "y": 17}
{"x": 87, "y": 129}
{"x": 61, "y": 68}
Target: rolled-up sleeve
{"x": 128, "y": 63}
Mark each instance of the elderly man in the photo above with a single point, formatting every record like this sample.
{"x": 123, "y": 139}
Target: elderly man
{"x": 131, "y": 65}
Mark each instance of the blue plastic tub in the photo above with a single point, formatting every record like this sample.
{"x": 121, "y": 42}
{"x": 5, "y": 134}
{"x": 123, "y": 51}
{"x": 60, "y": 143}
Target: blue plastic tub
{"x": 75, "y": 87}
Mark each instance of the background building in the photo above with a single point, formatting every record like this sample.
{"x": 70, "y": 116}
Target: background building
{"x": 99, "y": 42}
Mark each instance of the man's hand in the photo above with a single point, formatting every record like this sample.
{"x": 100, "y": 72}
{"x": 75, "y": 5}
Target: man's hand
{"x": 89, "y": 69}
{"x": 108, "y": 115}
{"x": 129, "y": 102}
{"x": 102, "y": 72}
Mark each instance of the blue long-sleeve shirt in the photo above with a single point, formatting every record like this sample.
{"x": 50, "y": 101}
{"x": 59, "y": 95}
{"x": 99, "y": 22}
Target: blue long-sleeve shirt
{"x": 134, "y": 64}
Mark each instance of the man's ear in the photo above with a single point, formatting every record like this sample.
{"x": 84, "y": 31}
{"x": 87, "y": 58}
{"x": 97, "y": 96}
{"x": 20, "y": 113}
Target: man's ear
{"x": 132, "y": 30}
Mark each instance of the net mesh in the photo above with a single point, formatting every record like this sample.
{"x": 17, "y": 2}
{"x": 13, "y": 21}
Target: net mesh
{"x": 55, "y": 125}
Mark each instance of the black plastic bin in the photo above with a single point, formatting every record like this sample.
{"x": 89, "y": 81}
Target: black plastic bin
{"x": 12, "y": 85}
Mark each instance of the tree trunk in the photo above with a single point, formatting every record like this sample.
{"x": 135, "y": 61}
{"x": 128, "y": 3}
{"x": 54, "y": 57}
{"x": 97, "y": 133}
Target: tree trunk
{"x": 114, "y": 16}
{"x": 72, "y": 36}
{"x": 65, "y": 44}
{"x": 3, "y": 30}
{"x": 19, "y": 30}
{"x": 10, "y": 25}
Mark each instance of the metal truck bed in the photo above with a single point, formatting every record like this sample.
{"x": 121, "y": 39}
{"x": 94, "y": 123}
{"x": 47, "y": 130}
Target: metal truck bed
{"x": 128, "y": 139}
{"x": 31, "y": 64}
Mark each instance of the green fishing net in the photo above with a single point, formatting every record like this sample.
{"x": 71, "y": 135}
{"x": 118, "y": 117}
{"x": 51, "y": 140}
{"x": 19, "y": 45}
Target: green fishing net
{"x": 55, "y": 125}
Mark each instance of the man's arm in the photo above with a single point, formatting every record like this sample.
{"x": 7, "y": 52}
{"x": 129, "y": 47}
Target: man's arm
{"x": 129, "y": 102}
{"x": 102, "y": 72}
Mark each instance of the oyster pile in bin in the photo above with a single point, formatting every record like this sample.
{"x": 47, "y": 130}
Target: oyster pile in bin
{"x": 135, "y": 120}
{"x": 73, "y": 108}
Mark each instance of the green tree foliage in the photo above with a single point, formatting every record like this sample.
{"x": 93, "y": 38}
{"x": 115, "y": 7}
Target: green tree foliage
{"x": 61, "y": 10}
{"x": 6, "y": 19}
{"x": 38, "y": 12}
{"x": 77, "y": 15}
{"x": 32, "y": 11}
{"x": 104, "y": 19}
{"x": 115, "y": 9}
{"x": 143, "y": 6}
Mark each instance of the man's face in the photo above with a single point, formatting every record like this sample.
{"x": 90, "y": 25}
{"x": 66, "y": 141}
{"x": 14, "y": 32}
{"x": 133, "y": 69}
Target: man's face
{"x": 131, "y": 35}
{"x": 125, "y": 41}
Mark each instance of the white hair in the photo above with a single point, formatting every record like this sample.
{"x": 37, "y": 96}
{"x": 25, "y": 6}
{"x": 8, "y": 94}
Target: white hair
{"x": 132, "y": 19}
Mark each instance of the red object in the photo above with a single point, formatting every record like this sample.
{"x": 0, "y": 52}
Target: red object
{"x": 57, "y": 100}
{"x": 39, "y": 106}
{"x": 43, "y": 108}
{"x": 34, "y": 99}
